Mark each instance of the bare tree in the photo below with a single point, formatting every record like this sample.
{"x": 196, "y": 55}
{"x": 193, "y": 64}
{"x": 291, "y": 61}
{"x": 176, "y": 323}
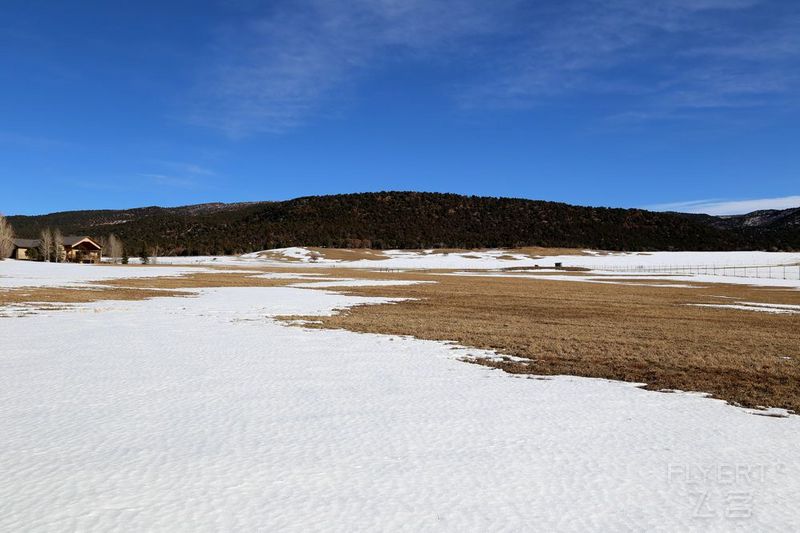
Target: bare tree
{"x": 6, "y": 238}
{"x": 58, "y": 244}
{"x": 46, "y": 244}
{"x": 114, "y": 247}
{"x": 103, "y": 242}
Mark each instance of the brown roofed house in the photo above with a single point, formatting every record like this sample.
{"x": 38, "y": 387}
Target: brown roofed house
{"x": 77, "y": 249}
{"x": 81, "y": 249}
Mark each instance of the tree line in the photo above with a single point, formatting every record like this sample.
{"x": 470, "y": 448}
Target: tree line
{"x": 411, "y": 220}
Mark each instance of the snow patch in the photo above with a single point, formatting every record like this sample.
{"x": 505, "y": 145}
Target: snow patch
{"x": 34, "y": 274}
{"x": 758, "y": 307}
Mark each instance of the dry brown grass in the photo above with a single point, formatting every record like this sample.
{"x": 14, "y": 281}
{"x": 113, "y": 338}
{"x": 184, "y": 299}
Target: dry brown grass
{"x": 201, "y": 280}
{"x": 630, "y": 333}
{"x": 350, "y": 254}
{"x": 66, "y": 295}
{"x": 277, "y": 256}
{"x": 548, "y": 270}
{"x": 537, "y": 252}
{"x": 137, "y": 288}
{"x": 332, "y": 254}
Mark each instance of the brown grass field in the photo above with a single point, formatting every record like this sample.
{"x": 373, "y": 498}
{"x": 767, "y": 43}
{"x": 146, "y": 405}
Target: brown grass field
{"x": 349, "y": 254}
{"x": 632, "y": 332}
{"x": 137, "y": 288}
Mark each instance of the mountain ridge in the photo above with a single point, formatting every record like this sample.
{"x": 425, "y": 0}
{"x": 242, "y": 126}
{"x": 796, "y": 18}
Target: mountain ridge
{"x": 407, "y": 219}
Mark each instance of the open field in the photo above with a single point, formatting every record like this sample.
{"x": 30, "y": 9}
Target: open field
{"x": 349, "y": 254}
{"x": 656, "y": 335}
{"x": 142, "y": 397}
{"x": 691, "y": 263}
{"x": 663, "y": 333}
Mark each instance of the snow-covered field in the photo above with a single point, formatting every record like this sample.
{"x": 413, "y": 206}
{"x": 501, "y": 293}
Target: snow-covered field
{"x": 205, "y": 413}
{"x": 244, "y": 423}
{"x": 34, "y": 274}
{"x": 776, "y": 269}
{"x": 494, "y": 259}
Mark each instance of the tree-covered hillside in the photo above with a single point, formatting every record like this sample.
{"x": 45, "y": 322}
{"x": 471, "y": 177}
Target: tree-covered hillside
{"x": 413, "y": 220}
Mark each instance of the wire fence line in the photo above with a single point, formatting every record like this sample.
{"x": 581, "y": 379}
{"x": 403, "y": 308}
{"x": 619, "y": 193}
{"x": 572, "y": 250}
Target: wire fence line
{"x": 738, "y": 271}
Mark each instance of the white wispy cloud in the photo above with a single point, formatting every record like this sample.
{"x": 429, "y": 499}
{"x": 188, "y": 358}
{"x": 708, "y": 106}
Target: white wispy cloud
{"x": 672, "y": 56}
{"x": 272, "y": 69}
{"x": 729, "y": 207}
{"x": 177, "y": 182}
{"x": 187, "y": 168}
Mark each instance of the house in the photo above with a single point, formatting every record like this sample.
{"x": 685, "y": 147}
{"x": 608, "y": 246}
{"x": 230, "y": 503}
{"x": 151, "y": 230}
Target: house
{"x": 77, "y": 249}
{"x": 21, "y": 247}
{"x": 81, "y": 250}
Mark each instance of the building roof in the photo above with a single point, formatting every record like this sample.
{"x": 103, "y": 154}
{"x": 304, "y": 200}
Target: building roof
{"x": 68, "y": 240}
{"x": 72, "y": 240}
{"x": 27, "y": 243}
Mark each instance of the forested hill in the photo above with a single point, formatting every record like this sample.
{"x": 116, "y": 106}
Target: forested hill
{"x": 417, "y": 220}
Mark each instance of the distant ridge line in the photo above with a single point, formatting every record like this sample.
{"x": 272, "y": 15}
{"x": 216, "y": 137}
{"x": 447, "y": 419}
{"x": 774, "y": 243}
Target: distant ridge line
{"x": 407, "y": 219}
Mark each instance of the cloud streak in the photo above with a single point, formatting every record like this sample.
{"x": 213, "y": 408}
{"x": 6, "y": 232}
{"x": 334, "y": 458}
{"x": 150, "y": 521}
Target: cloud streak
{"x": 175, "y": 182}
{"x": 667, "y": 57}
{"x": 273, "y": 70}
{"x": 729, "y": 207}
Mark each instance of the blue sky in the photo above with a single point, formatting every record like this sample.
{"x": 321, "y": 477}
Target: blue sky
{"x": 676, "y": 104}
